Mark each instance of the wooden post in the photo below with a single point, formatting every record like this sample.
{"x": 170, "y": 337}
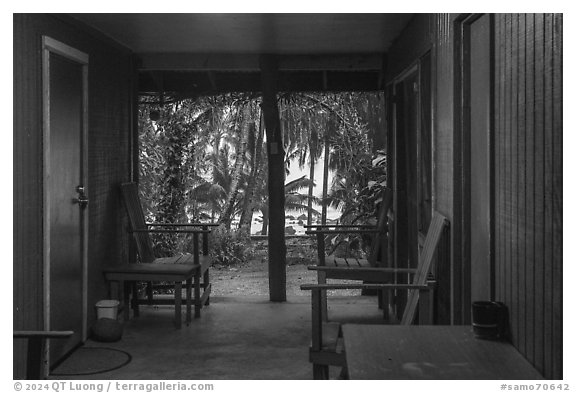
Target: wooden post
{"x": 275, "y": 149}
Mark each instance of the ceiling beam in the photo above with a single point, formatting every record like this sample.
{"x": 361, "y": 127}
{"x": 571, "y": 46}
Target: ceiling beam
{"x": 190, "y": 83}
{"x": 250, "y": 62}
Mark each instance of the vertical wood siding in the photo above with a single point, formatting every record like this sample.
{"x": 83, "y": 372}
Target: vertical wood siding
{"x": 110, "y": 73}
{"x": 27, "y": 201}
{"x": 527, "y": 171}
{"x": 435, "y": 32}
{"x": 528, "y": 183}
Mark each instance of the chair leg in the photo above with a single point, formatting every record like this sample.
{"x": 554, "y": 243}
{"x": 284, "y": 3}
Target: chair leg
{"x": 34, "y": 364}
{"x": 188, "y": 301}
{"x": 206, "y": 285}
{"x": 197, "y": 297}
{"x": 344, "y": 373}
{"x": 135, "y": 305}
{"x": 178, "y": 303}
{"x": 384, "y": 300}
{"x": 320, "y": 371}
{"x": 128, "y": 304}
{"x": 149, "y": 293}
{"x": 323, "y": 297}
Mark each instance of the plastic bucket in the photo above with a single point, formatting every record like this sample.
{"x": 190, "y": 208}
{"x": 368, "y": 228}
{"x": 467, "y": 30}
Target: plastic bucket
{"x": 107, "y": 309}
{"x": 488, "y": 319}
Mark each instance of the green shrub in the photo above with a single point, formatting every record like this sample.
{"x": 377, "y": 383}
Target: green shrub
{"x": 230, "y": 247}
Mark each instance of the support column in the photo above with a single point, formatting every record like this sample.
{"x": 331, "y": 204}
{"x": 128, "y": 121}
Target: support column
{"x": 275, "y": 149}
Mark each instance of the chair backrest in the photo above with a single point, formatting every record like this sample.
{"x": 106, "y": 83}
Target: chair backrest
{"x": 437, "y": 225}
{"x": 382, "y": 227}
{"x": 137, "y": 221}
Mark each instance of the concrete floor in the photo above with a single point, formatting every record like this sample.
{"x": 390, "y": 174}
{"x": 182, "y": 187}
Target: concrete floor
{"x": 236, "y": 338}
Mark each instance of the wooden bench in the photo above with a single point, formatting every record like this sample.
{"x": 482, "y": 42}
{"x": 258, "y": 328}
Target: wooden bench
{"x": 141, "y": 231}
{"x": 127, "y": 276}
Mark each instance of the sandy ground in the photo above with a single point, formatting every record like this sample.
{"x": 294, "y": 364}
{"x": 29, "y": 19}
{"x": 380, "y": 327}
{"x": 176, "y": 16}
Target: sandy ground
{"x": 251, "y": 279}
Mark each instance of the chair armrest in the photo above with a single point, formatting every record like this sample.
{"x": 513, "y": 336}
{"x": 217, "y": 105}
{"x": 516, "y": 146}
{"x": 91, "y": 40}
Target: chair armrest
{"x": 199, "y": 231}
{"x": 338, "y": 226}
{"x": 326, "y": 287}
{"x": 341, "y": 231}
{"x": 193, "y": 224}
{"x": 190, "y": 224}
{"x": 42, "y": 333}
{"x": 390, "y": 270}
{"x": 36, "y": 346}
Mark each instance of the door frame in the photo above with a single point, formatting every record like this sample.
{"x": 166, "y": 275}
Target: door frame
{"x": 462, "y": 166}
{"x": 413, "y": 68}
{"x": 408, "y": 71}
{"x": 50, "y": 45}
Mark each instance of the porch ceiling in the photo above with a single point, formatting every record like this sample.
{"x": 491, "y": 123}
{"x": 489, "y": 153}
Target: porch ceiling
{"x": 251, "y": 33}
{"x": 204, "y": 53}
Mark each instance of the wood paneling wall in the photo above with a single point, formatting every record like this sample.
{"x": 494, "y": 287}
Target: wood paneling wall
{"x": 110, "y": 95}
{"x": 527, "y": 170}
{"x": 528, "y": 183}
{"x": 434, "y": 32}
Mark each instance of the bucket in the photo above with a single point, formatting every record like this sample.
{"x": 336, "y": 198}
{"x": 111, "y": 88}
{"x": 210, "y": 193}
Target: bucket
{"x": 107, "y": 309}
{"x": 488, "y": 319}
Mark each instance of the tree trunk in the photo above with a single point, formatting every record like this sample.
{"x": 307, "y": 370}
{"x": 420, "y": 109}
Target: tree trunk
{"x": 265, "y": 222}
{"x": 255, "y": 175}
{"x": 311, "y": 189}
{"x": 325, "y": 179}
{"x": 228, "y": 210}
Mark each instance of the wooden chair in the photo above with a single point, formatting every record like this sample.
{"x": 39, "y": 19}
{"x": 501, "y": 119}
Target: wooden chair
{"x": 35, "y": 361}
{"x": 352, "y": 268}
{"x": 327, "y": 348}
{"x": 378, "y": 252}
{"x": 141, "y": 230}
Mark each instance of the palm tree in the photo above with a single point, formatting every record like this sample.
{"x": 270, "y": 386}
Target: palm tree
{"x": 240, "y": 157}
{"x": 294, "y": 200}
{"x": 257, "y": 173}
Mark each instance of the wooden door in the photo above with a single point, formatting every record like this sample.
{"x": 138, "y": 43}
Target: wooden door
{"x": 65, "y": 109}
{"x": 480, "y": 159}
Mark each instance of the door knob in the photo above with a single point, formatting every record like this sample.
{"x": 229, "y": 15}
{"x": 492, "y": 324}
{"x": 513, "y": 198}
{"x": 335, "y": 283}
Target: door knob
{"x": 82, "y": 199}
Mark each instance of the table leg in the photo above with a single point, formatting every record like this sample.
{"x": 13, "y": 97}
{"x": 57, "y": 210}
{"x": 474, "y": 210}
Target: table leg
{"x": 114, "y": 290}
{"x": 135, "y": 304}
{"x": 197, "y": 297}
{"x": 323, "y": 295}
{"x": 207, "y": 284}
{"x": 189, "y": 300}
{"x": 384, "y": 300}
{"x": 126, "y": 299}
{"x": 178, "y": 303}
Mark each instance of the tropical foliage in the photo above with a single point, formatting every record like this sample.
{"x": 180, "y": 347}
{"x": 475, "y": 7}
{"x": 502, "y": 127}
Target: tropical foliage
{"x": 205, "y": 158}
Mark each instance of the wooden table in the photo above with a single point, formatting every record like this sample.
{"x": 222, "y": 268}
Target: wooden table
{"x": 177, "y": 273}
{"x": 429, "y": 352}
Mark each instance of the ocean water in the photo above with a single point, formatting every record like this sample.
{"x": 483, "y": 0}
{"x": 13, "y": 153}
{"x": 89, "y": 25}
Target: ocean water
{"x": 294, "y": 220}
